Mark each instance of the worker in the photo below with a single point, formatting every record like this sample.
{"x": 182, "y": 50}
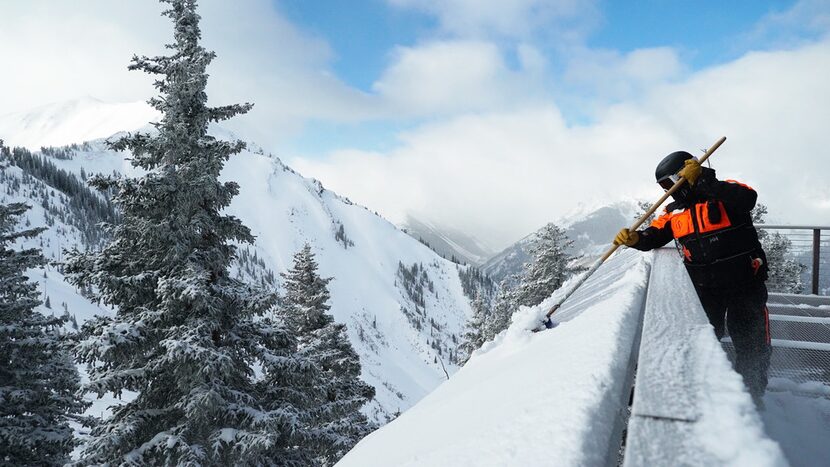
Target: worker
{"x": 711, "y": 223}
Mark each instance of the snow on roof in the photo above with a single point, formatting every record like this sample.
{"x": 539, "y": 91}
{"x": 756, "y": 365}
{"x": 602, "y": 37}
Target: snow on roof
{"x": 530, "y": 399}
{"x": 690, "y": 407}
{"x": 559, "y": 397}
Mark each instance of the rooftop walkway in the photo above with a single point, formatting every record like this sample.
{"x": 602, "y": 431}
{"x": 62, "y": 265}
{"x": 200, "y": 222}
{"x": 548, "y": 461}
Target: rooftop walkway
{"x": 797, "y": 413}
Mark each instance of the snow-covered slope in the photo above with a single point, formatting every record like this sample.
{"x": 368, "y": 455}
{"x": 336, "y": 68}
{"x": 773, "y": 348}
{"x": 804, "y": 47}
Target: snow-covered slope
{"x": 52, "y": 209}
{"x": 380, "y": 276}
{"x": 60, "y": 234}
{"x": 403, "y": 303}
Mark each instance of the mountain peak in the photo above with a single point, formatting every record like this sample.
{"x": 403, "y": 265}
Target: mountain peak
{"x": 73, "y": 121}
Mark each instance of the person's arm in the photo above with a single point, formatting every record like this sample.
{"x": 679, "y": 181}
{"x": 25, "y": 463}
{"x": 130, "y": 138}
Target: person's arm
{"x": 654, "y": 236}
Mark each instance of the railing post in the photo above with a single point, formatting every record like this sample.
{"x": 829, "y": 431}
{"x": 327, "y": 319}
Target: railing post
{"x": 816, "y": 250}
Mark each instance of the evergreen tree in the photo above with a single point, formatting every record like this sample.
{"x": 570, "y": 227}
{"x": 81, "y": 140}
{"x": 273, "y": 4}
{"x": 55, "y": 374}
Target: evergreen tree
{"x": 784, "y": 271}
{"x": 473, "y": 336}
{"x": 185, "y": 334}
{"x": 306, "y": 295}
{"x": 504, "y": 307}
{"x": 642, "y": 208}
{"x": 333, "y": 390}
{"x": 759, "y": 214}
{"x": 38, "y": 380}
{"x": 549, "y": 266}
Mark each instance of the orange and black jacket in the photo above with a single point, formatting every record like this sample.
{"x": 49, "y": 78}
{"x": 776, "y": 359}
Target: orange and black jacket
{"x": 714, "y": 230}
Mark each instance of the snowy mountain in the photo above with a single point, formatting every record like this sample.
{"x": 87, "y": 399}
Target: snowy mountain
{"x": 449, "y": 242}
{"x": 403, "y": 304}
{"x": 73, "y": 121}
{"x": 510, "y": 261}
{"x": 591, "y": 230}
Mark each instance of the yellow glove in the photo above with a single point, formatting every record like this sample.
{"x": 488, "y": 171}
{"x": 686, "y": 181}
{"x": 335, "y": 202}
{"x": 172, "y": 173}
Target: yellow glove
{"x": 690, "y": 171}
{"x": 627, "y": 238}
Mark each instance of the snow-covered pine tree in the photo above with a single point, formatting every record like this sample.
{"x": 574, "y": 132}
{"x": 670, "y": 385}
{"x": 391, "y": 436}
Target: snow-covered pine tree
{"x": 38, "y": 380}
{"x": 306, "y": 295}
{"x": 185, "y": 333}
{"x": 473, "y": 336}
{"x": 784, "y": 271}
{"x": 335, "y": 393}
{"x": 642, "y": 208}
{"x": 502, "y": 311}
{"x": 548, "y": 268}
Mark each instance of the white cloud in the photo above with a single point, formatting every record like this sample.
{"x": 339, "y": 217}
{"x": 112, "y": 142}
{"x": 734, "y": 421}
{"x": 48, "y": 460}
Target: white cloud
{"x": 504, "y": 173}
{"x": 61, "y": 50}
{"x": 495, "y": 157}
{"x": 45, "y": 47}
{"x": 64, "y": 50}
{"x": 453, "y": 76}
{"x": 596, "y": 77}
{"x": 789, "y": 27}
{"x": 509, "y": 18}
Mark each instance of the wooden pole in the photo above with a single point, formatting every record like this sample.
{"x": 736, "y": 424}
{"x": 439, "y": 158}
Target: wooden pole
{"x": 634, "y": 227}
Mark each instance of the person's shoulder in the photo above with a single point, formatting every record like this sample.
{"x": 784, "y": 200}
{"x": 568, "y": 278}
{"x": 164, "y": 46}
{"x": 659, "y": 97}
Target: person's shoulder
{"x": 735, "y": 182}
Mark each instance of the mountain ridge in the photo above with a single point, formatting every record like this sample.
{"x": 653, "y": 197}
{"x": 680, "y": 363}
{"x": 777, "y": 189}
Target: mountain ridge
{"x": 590, "y": 228}
{"x": 448, "y": 242}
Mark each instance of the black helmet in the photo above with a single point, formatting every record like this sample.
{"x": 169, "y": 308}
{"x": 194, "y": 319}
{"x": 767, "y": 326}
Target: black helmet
{"x": 666, "y": 172}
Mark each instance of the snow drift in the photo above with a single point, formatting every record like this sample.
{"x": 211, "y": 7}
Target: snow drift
{"x": 560, "y": 397}
{"x": 529, "y": 399}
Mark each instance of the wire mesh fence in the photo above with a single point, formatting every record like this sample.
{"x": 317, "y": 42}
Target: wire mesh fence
{"x": 797, "y": 310}
{"x": 808, "y": 246}
{"x": 797, "y": 365}
{"x": 804, "y": 331}
{"x": 800, "y": 332}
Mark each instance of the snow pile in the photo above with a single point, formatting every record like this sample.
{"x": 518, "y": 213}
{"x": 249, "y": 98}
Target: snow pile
{"x": 529, "y": 399}
{"x": 729, "y": 429}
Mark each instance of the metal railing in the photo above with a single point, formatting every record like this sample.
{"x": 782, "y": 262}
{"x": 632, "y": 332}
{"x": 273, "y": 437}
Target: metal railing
{"x": 680, "y": 380}
{"x": 809, "y": 246}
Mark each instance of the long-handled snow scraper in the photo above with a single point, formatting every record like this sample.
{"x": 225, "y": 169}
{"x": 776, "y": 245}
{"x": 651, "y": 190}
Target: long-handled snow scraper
{"x": 548, "y": 322}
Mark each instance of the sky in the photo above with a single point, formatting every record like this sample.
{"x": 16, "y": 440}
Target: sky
{"x": 489, "y": 117}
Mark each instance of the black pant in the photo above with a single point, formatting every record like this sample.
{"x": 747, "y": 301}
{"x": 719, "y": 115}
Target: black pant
{"x": 744, "y": 311}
